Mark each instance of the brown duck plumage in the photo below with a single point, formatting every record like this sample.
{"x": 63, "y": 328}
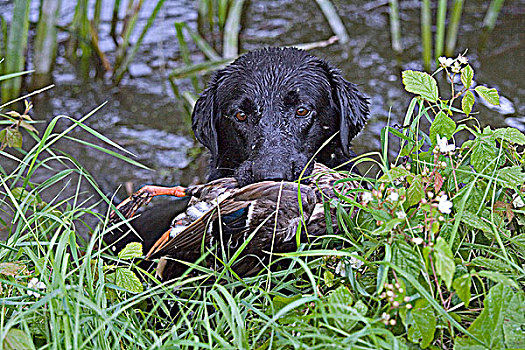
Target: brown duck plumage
{"x": 221, "y": 217}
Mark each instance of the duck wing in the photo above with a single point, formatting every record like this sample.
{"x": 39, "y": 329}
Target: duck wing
{"x": 272, "y": 208}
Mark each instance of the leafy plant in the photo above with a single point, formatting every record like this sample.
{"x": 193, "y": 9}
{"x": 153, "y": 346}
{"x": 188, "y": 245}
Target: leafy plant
{"x": 430, "y": 255}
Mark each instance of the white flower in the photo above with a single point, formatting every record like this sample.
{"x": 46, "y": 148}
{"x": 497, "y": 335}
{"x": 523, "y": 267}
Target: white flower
{"x": 366, "y": 197}
{"x": 456, "y": 68}
{"x": 355, "y": 262}
{"x": 462, "y": 59}
{"x": 445, "y": 62}
{"x": 340, "y": 269}
{"x": 517, "y": 202}
{"x": 417, "y": 240}
{"x": 443, "y": 145}
{"x": 35, "y": 284}
{"x": 444, "y": 204}
{"x": 394, "y": 196}
{"x": 401, "y": 214}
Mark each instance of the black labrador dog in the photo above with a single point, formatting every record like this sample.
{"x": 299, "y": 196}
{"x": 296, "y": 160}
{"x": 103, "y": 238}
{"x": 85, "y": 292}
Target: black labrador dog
{"x": 262, "y": 118}
{"x": 267, "y": 113}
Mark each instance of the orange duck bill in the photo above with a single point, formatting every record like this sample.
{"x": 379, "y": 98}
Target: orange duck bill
{"x": 142, "y": 197}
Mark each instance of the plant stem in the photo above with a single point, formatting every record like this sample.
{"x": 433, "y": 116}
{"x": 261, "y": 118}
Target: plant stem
{"x": 453, "y": 26}
{"x": 15, "y": 49}
{"x": 426, "y": 33}
{"x": 492, "y": 14}
{"x": 395, "y": 27}
{"x": 334, "y": 20}
{"x": 440, "y": 27}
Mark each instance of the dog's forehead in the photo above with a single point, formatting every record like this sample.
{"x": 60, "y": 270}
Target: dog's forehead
{"x": 274, "y": 73}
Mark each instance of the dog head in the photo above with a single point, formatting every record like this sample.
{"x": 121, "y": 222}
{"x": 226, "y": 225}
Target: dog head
{"x": 267, "y": 113}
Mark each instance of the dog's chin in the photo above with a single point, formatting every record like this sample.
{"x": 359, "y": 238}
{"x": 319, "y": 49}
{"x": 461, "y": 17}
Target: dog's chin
{"x": 244, "y": 175}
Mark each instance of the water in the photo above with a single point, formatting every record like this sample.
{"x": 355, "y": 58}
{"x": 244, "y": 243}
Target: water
{"x": 143, "y": 115}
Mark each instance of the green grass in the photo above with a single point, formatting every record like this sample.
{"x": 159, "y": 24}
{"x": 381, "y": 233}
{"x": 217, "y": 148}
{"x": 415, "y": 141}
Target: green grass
{"x": 398, "y": 272}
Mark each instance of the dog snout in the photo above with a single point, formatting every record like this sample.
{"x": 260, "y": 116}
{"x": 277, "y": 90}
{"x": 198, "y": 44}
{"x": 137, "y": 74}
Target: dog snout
{"x": 271, "y": 169}
{"x": 278, "y": 166}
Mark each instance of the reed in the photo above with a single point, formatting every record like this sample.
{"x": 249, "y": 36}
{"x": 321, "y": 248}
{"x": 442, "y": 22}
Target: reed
{"x": 15, "y": 49}
{"x": 440, "y": 27}
{"x": 453, "y": 26}
{"x": 232, "y": 28}
{"x": 123, "y": 67}
{"x": 492, "y": 14}
{"x": 334, "y": 20}
{"x": 395, "y": 26}
{"x": 128, "y": 25}
{"x": 426, "y": 33}
{"x": 45, "y": 42}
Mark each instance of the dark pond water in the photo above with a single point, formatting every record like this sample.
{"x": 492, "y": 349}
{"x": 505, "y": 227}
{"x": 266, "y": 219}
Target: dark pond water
{"x": 143, "y": 115}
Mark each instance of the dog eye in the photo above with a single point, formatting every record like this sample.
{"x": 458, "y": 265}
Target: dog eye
{"x": 241, "y": 116}
{"x": 301, "y": 112}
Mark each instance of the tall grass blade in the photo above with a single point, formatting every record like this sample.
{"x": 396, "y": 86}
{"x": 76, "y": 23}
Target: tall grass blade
{"x": 15, "y": 49}
{"x": 85, "y": 37}
{"x": 426, "y": 33}
{"x": 231, "y": 30}
{"x": 45, "y": 43}
{"x": 440, "y": 27}
{"x": 492, "y": 14}
{"x": 3, "y": 41}
{"x": 395, "y": 26}
{"x": 453, "y": 26}
{"x": 203, "y": 45}
{"x": 114, "y": 21}
{"x": 130, "y": 21}
{"x": 185, "y": 51}
{"x": 122, "y": 68}
{"x": 96, "y": 13}
{"x": 198, "y": 68}
{"x": 334, "y": 20}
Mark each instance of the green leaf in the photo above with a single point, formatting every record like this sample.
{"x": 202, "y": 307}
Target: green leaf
{"x": 125, "y": 278}
{"x": 462, "y": 286}
{"x": 443, "y": 126}
{"x": 511, "y": 177}
{"x": 415, "y": 192}
{"x": 280, "y": 301}
{"x": 491, "y": 264}
{"x": 130, "y": 251}
{"x": 500, "y": 323}
{"x": 421, "y": 83}
{"x": 498, "y": 278}
{"x": 467, "y": 102}
{"x": 489, "y": 95}
{"x": 475, "y": 221}
{"x": 404, "y": 257}
{"x": 510, "y": 135}
{"x": 22, "y": 195}
{"x": 14, "y": 138}
{"x": 328, "y": 278}
{"x": 483, "y": 157}
{"x": 16, "y": 339}
{"x": 340, "y": 305}
{"x": 421, "y": 323}
{"x": 467, "y": 73}
{"x": 3, "y": 136}
{"x": 394, "y": 174}
{"x": 444, "y": 261}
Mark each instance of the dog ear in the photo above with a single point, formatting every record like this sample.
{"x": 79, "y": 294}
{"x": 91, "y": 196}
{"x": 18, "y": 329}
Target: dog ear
{"x": 352, "y": 105}
{"x": 204, "y": 119}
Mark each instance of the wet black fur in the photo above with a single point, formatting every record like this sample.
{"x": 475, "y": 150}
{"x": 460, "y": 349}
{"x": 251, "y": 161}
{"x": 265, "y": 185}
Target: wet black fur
{"x": 268, "y": 86}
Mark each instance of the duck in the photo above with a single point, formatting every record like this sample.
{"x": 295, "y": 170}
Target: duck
{"x": 240, "y": 228}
